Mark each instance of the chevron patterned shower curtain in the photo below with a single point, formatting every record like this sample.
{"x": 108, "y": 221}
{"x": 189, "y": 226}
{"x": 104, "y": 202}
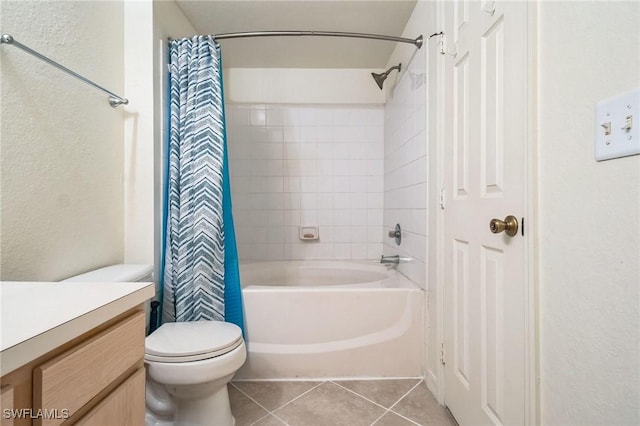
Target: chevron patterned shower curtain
{"x": 201, "y": 280}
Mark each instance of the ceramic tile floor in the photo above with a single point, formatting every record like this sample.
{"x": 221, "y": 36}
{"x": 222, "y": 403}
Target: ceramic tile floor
{"x": 334, "y": 403}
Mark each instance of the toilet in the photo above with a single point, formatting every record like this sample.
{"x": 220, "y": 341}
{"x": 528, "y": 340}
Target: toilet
{"x": 188, "y": 363}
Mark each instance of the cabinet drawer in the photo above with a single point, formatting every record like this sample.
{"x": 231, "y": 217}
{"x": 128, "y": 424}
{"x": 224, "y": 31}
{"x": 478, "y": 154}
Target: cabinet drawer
{"x": 73, "y": 378}
{"x": 123, "y": 407}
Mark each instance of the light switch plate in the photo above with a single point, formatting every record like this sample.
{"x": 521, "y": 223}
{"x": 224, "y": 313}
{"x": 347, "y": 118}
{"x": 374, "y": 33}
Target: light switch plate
{"x": 620, "y": 117}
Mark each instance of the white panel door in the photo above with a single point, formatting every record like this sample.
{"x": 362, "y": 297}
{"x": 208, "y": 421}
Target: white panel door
{"x": 484, "y": 274}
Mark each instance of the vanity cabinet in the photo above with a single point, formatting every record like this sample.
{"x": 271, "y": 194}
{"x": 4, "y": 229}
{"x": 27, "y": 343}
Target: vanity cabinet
{"x": 97, "y": 378}
{"x": 6, "y": 402}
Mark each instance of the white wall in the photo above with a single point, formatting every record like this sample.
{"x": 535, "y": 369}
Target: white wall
{"x": 299, "y": 86}
{"x": 588, "y": 219}
{"x": 62, "y": 158}
{"x": 139, "y": 133}
{"x": 310, "y": 165}
{"x": 148, "y": 25}
{"x": 411, "y": 173}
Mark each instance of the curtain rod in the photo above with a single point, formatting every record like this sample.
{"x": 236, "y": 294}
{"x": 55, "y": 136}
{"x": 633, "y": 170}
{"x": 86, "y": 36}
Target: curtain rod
{"x": 416, "y": 42}
{"x": 114, "y": 100}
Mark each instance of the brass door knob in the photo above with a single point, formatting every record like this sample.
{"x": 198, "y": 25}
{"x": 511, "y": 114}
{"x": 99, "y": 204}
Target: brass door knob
{"x": 509, "y": 225}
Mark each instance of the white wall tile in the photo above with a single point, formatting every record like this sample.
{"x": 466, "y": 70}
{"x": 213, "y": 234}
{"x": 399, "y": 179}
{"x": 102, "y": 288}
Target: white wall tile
{"x": 308, "y": 184}
{"x": 342, "y": 217}
{"x": 275, "y": 234}
{"x": 309, "y": 201}
{"x": 374, "y": 250}
{"x": 374, "y": 234}
{"x": 275, "y": 168}
{"x": 342, "y": 251}
{"x": 359, "y": 251}
{"x": 342, "y": 234}
{"x": 291, "y": 183}
{"x": 318, "y": 165}
{"x": 275, "y": 252}
{"x": 324, "y": 134}
{"x": 328, "y": 233}
{"x": 325, "y": 218}
{"x": 275, "y": 218}
{"x": 274, "y": 116}
{"x": 359, "y": 234}
{"x": 325, "y": 251}
{"x": 275, "y": 150}
{"x": 405, "y": 174}
{"x": 325, "y": 116}
{"x": 308, "y": 116}
{"x": 357, "y": 184}
{"x": 290, "y": 134}
{"x": 292, "y": 218}
{"x": 258, "y": 117}
{"x": 359, "y": 200}
{"x": 326, "y": 201}
{"x": 341, "y": 116}
{"x": 308, "y": 135}
{"x": 275, "y": 184}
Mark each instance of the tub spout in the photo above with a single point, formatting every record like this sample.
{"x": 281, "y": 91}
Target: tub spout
{"x": 390, "y": 259}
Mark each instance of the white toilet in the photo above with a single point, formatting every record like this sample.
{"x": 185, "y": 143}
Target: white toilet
{"x": 188, "y": 367}
{"x": 188, "y": 364}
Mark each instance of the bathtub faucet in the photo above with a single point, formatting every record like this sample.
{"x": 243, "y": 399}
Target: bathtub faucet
{"x": 390, "y": 259}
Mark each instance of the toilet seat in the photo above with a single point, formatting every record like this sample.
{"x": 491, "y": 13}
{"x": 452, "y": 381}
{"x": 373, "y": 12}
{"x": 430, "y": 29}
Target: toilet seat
{"x": 178, "y": 342}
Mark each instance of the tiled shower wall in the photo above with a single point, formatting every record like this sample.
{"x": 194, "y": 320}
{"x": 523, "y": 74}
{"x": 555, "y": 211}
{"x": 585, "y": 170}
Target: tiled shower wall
{"x": 405, "y": 169}
{"x": 309, "y": 165}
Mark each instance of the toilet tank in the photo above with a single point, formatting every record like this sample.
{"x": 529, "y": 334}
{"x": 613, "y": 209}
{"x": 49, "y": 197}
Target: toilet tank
{"x": 117, "y": 273}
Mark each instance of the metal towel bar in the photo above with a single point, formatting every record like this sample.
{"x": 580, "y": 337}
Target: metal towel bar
{"x": 114, "y": 100}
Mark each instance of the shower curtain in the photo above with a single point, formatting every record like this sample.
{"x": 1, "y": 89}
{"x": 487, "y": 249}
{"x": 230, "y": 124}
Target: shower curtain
{"x": 201, "y": 278}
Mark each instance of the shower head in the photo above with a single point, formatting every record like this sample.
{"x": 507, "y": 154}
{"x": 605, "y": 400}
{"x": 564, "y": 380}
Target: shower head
{"x": 380, "y": 78}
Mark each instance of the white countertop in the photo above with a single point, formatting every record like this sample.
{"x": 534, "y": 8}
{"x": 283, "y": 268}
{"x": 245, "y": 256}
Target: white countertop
{"x": 37, "y": 317}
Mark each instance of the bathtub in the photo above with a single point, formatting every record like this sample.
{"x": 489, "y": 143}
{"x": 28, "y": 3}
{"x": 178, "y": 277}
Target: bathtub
{"x": 330, "y": 319}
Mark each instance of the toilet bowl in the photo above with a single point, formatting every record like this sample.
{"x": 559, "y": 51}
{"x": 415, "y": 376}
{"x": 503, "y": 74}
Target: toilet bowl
{"x": 188, "y": 367}
{"x": 188, "y": 364}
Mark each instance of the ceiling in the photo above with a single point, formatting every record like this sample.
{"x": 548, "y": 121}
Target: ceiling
{"x": 387, "y": 17}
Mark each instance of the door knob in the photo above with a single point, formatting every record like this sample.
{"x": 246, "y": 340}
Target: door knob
{"x": 509, "y": 225}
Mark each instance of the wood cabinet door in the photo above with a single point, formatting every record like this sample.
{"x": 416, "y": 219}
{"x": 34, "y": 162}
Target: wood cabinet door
{"x": 123, "y": 407}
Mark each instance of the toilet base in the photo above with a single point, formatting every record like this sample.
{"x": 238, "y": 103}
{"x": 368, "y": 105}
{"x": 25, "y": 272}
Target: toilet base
{"x": 212, "y": 409}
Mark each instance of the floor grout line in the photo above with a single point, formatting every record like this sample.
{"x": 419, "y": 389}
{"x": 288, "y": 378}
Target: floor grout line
{"x": 397, "y": 414}
{"x": 283, "y": 422}
{"x": 299, "y": 396}
{"x": 254, "y": 401}
{"x": 403, "y": 396}
{"x": 287, "y": 403}
{"x": 385, "y": 412}
{"x": 357, "y": 394}
{"x": 405, "y": 417}
{"x": 380, "y": 405}
{"x": 381, "y": 416}
{"x": 266, "y": 415}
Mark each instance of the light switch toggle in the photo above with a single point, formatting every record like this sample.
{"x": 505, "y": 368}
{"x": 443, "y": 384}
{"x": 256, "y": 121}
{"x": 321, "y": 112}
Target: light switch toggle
{"x": 628, "y": 123}
{"x": 607, "y": 127}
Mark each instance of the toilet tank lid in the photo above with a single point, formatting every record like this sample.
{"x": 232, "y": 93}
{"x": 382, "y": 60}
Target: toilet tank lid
{"x": 115, "y": 273}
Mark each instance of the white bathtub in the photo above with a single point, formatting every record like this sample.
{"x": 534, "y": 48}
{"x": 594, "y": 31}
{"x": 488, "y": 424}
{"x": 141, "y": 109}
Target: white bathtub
{"x": 319, "y": 319}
